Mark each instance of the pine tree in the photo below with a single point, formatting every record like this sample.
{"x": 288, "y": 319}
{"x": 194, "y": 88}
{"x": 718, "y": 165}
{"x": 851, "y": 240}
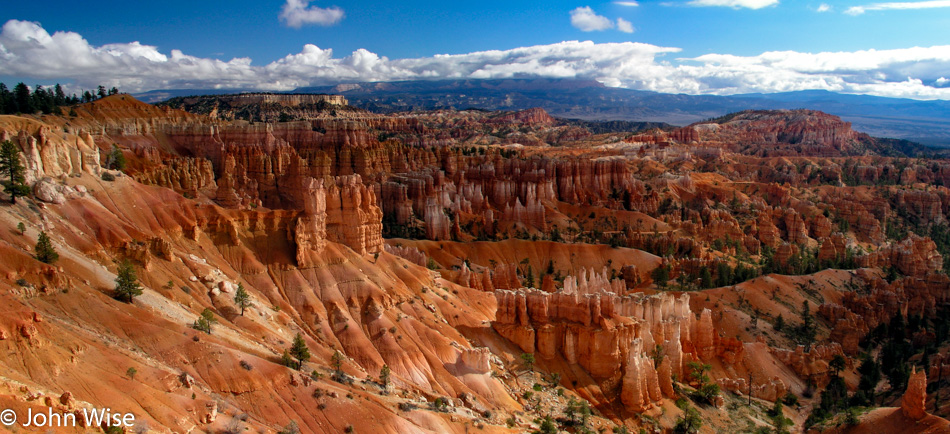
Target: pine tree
{"x": 116, "y": 158}
{"x": 44, "y": 250}
{"x": 528, "y": 360}
{"x": 779, "y": 323}
{"x": 705, "y": 278}
{"x": 24, "y": 102}
{"x": 14, "y": 182}
{"x": 126, "y": 283}
{"x": 299, "y": 350}
{"x": 571, "y": 410}
{"x": 241, "y": 298}
{"x": 384, "y": 375}
{"x": 7, "y": 103}
{"x": 205, "y": 321}
{"x": 59, "y": 95}
{"x": 337, "y": 361}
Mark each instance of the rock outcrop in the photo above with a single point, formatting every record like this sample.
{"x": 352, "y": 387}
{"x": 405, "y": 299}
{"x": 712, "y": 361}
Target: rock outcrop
{"x": 914, "y": 401}
{"x": 612, "y": 337}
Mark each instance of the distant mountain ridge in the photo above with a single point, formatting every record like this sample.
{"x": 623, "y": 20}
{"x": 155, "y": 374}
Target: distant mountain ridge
{"x": 927, "y": 122}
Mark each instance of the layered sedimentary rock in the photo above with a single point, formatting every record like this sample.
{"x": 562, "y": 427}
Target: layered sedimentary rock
{"x": 914, "y": 256}
{"x": 344, "y": 213}
{"x": 612, "y": 337}
{"x": 353, "y": 216}
{"x": 789, "y": 132}
{"x": 770, "y": 389}
{"x": 812, "y": 364}
{"x": 914, "y": 401}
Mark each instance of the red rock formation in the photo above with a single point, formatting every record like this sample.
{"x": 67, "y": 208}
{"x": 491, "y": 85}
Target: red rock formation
{"x": 914, "y": 256}
{"x": 410, "y": 254}
{"x": 782, "y": 132}
{"x": 532, "y": 116}
{"x": 610, "y": 336}
{"x": 771, "y": 389}
{"x": 353, "y": 216}
{"x": 914, "y": 401}
{"x": 641, "y": 386}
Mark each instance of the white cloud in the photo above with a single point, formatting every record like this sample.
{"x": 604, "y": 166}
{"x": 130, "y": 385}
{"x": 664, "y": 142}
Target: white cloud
{"x": 28, "y": 50}
{"x": 627, "y": 3}
{"x": 624, "y": 25}
{"x": 858, "y": 10}
{"x": 585, "y": 20}
{"x": 735, "y": 4}
{"x": 297, "y": 13}
{"x": 824, "y": 7}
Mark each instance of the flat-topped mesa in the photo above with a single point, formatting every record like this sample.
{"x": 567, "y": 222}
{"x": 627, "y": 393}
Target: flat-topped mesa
{"x": 533, "y": 116}
{"x": 783, "y": 132}
{"x": 284, "y": 99}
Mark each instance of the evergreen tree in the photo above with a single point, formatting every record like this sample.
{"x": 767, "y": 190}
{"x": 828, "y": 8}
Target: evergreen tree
{"x": 779, "y": 323}
{"x": 571, "y": 410}
{"x": 299, "y": 350}
{"x": 689, "y": 423}
{"x": 336, "y": 360}
{"x": 870, "y": 375}
{"x": 44, "y": 250}
{"x": 41, "y": 101}
{"x": 241, "y": 298}
{"x": 528, "y": 360}
{"x": 12, "y": 172}
{"x": 116, "y": 159}
{"x": 384, "y": 375}
{"x": 547, "y": 426}
{"x": 59, "y": 95}
{"x": 837, "y": 364}
{"x": 7, "y": 101}
{"x": 126, "y": 283}
{"x": 205, "y": 321}
{"x": 661, "y": 275}
{"x": 101, "y": 91}
{"x": 705, "y": 278}
{"x": 23, "y": 99}
{"x": 780, "y": 423}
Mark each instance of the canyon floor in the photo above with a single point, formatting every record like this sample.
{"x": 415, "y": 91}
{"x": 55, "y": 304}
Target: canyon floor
{"x": 465, "y": 271}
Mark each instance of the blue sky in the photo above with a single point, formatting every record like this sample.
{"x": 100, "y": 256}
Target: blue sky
{"x": 690, "y": 46}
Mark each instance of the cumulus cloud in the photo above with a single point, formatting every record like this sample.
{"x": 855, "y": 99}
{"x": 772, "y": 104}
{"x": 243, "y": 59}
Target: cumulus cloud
{"x": 858, "y": 10}
{"x": 624, "y": 25}
{"x": 297, "y": 13}
{"x": 585, "y": 20}
{"x": 824, "y": 7}
{"x": 28, "y": 50}
{"x": 735, "y": 4}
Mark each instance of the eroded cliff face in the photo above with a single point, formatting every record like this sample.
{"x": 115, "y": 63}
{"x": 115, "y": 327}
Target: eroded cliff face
{"x": 616, "y": 260}
{"x": 614, "y": 338}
